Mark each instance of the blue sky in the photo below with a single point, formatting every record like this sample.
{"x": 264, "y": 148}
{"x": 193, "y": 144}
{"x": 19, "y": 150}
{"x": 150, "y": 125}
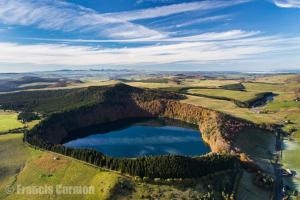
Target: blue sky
{"x": 219, "y": 35}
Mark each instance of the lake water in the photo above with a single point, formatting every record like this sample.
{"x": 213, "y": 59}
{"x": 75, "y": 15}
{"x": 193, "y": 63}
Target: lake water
{"x": 146, "y": 138}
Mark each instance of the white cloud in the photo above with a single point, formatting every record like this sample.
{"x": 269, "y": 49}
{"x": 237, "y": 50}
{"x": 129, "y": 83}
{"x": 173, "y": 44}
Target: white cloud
{"x": 155, "y": 1}
{"x": 227, "y": 35}
{"x": 287, "y": 3}
{"x": 215, "y": 47}
{"x": 67, "y": 17}
{"x": 203, "y": 20}
{"x": 173, "y": 9}
{"x": 210, "y": 36}
{"x": 63, "y": 16}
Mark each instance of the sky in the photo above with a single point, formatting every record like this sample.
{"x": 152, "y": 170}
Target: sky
{"x": 165, "y": 35}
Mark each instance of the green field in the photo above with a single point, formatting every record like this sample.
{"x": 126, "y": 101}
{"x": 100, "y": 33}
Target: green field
{"x": 8, "y": 121}
{"x": 13, "y": 158}
{"x": 277, "y": 105}
{"x": 237, "y": 95}
{"x": 24, "y": 166}
{"x": 184, "y": 83}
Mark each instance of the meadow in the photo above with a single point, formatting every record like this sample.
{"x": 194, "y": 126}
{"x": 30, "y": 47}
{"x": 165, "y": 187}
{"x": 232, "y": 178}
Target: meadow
{"x": 30, "y": 167}
{"x": 231, "y": 94}
{"x": 8, "y": 121}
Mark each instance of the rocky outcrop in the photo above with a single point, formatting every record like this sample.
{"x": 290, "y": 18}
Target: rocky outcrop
{"x": 217, "y": 128}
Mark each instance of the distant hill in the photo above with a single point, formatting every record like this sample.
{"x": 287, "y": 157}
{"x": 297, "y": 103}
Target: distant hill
{"x": 32, "y": 82}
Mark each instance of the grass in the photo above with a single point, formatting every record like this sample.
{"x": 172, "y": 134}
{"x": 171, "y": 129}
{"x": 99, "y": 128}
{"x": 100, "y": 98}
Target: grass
{"x": 65, "y": 171}
{"x": 8, "y": 121}
{"x": 184, "y": 83}
{"x": 38, "y": 168}
{"x": 277, "y": 79}
{"x": 232, "y": 109}
{"x": 237, "y": 95}
{"x": 151, "y": 85}
{"x": 31, "y": 124}
{"x": 208, "y": 83}
{"x": 22, "y": 165}
{"x": 13, "y": 156}
{"x": 291, "y": 155}
{"x": 277, "y": 105}
{"x": 283, "y": 104}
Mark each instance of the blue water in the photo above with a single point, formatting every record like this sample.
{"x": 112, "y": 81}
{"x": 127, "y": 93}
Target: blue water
{"x": 145, "y": 139}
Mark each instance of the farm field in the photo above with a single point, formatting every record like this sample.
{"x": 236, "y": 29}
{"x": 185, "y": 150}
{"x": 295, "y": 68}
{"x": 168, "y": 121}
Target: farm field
{"x": 183, "y": 83}
{"x": 8, "y": 121}
{"x": 237, "y": 95}
{"x": 232, "y": 109}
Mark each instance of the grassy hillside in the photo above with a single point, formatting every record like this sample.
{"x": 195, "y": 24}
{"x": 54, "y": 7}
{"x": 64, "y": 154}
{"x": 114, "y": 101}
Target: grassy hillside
{"x": 22, "y": 165}
{"x": 44, "y": 170}
{"x": 13, "y": 156}
{"x": 30, "y": 167}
